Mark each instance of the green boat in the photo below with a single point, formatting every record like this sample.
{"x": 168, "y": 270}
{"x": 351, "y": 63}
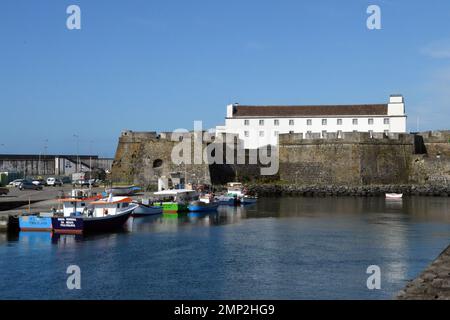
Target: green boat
{"x": 178, "y": 199}
{"x": 174, "y": 207}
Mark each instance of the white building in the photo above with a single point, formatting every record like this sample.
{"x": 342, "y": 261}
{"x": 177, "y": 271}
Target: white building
{"x": 260, "y": 125}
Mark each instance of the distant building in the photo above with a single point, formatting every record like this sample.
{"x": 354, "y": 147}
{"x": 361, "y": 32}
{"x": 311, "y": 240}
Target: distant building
{"x": 258, "y": 126}
{"x": 58, "y": 165}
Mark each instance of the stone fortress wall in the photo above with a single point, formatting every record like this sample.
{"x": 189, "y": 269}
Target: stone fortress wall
{"x": 350, "y": 159}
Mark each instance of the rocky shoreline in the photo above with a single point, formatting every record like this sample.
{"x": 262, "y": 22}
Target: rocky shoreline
{"x": 343, "y": 191}
{"x": 433, "y": 283}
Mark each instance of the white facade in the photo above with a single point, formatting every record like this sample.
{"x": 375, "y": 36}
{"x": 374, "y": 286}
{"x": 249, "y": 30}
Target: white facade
{"x": 260, "y": 130}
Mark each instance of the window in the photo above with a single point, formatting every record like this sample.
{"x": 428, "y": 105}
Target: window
{"x": 246, "y": 122}
{"x": 276, "y": 122}
{"x": 386, "y": 120}
{"x": 291, "y": 132}
{"x": 324, "y": 122}
{"x": 291, "y": 122}
{"x": 246, "y": 134}
{"x": 324, "y": 133}
{"x": 157, "y": 163}
{"x": 370, "y": 121}
{"x": 339, "y": 122}
{"x": 309, "y": 132}
{"x": 309, "y": 122}
{"x": 261, "y": 122}
{"x": 355, "y": 121}
{"x": 261, "y": 133}
{"x": 276, "y": 133}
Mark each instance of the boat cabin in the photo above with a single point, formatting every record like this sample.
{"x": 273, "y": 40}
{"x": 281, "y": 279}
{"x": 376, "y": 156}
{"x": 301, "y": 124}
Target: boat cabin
{"x": 178, "y": 195}
{"x": 235, "y": 188}
{"x": 110, "y": 206}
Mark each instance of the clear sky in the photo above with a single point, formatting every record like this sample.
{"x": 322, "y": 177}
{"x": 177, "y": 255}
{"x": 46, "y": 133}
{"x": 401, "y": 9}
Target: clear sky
{"x": 159, "y": 65}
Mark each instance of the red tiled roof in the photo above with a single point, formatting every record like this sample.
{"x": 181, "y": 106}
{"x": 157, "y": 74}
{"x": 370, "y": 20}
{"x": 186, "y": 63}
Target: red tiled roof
{"x": 299, "y": 111}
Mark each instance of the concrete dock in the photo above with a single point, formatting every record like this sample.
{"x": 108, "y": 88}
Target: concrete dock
{"x": 431, "y": 284}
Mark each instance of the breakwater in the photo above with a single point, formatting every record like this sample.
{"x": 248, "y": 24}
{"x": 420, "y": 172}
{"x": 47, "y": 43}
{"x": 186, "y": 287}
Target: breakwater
{"x": 433, "y": 283}
{"x": 356, "y": 191}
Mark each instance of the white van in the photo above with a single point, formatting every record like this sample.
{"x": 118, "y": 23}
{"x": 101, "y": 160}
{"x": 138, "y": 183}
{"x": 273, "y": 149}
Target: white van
{"x": 54, "y": 182}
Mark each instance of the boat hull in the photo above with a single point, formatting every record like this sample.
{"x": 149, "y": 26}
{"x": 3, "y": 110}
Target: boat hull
{"x": 79, "y": 225}
{"x": 206, "y": 207}
{"x": 122, "y": 191}
{"x": 105, "y": 224}
{"x": 68, "y": 225}
{"x": 144, "y": 211}
{"x": 35, "y": 223}
{"x": 173, "y": 207}
{"x": 228, "y": 201}
{"x": 248, "y": 201}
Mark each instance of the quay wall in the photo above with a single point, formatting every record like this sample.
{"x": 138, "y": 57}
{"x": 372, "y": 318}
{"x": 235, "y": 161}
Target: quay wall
{"x": 353, "y": 159}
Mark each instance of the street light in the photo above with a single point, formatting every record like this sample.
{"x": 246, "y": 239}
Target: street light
{"x": 78, "y": 149}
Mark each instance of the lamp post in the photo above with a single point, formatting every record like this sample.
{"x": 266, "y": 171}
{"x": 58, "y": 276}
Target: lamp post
{"x": 78, "y": 150}
{"x": 90, "y": 159}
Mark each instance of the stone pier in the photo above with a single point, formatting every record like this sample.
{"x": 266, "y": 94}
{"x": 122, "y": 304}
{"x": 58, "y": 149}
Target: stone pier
{"x": 433, "y": 283}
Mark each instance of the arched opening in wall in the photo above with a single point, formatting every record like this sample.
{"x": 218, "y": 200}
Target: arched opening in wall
{"x": 157, "y": 163}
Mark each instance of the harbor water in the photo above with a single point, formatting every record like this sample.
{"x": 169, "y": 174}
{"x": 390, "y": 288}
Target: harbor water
{"x": 280, "y": 248}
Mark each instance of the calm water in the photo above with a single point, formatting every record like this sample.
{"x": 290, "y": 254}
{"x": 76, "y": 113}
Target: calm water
{"x": 290, "y": 248}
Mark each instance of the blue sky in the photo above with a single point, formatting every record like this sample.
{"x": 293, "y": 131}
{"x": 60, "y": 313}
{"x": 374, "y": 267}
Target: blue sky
{"x": 160, "y": 65}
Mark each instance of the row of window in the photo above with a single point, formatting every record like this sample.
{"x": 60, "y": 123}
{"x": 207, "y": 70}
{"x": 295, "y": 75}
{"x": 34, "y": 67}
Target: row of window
{"x": 324, "y": 132}
{"x": 276, "y": 122}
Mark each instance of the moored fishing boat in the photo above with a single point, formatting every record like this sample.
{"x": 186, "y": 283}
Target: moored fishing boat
{"x": 247, "y": 200}
{"x": 228, "y": 200}
{"x": 123, "y": 191}
{"x": 178, "y": 200}
{"x": 201, "y": 206}
{"x": 100, "y": 216}
{"x": 236, "y": 195}
{"x": 35, "y": 222}
{"x": 144, "y": 210}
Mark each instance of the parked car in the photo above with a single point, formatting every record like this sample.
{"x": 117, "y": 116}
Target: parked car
{"x": 53, "y": 182}
{"x": 15, "y": 183}
{"x": 29, "y": 185}
{"x": 39, "y": 182}
{"x": 85, "y": 183}
{"x": 4, "y": 191}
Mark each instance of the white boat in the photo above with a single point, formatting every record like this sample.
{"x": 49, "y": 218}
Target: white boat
{"x": 123, "y": 191}
{"x": 144, "y": 210}
{"x": 394, "y": 195}
{"x": 227, "y": 200}
{"x": 237, "y": 190}
{"x": 96, "y": 216}
{"x": 245, "y": 200}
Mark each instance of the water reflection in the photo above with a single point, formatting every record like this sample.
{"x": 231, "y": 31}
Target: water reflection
{"x": 280, "y": 248}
